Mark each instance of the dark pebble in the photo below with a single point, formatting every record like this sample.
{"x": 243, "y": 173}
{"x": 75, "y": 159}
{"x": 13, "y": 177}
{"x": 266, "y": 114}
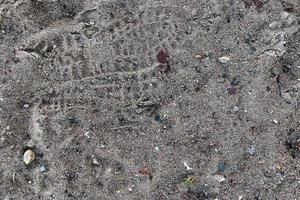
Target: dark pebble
{"x": 235, "y": 81}
{"x": 162, "y": 56}
{"x": 157, "y": 118}
{"x": 252, "y": 50}
{"x": 285, "y": 69}
{"x": 231, "y": 90}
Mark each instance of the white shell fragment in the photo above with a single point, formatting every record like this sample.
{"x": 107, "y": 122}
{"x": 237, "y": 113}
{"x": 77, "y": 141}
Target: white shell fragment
{"x": 219, "y": 178}
{"x": 224, "y": 60}
{"x": 29, "y": 156}
{"x": 187, "y": 166}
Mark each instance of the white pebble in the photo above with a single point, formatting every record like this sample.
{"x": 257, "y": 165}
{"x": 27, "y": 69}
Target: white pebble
{"x": 287, "y": 97}
{"x": 43, "y": 169}
{"x": 29, "y": 156}
{"x": 224, "y": 60}
{"x": 95, "y": 161}
{"x": 235, "y": 109}
{"x": 274, "y": 25}
{"x": 219, "y": 178}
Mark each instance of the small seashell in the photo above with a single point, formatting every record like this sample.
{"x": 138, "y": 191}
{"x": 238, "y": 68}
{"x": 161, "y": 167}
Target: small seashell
{"x": 29, "y": 156}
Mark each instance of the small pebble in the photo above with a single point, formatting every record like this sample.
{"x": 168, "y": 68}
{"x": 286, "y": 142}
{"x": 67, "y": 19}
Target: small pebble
{"x": 252, "y": 50}
{"x": 219, "y": 178}
{"x": 252, "y": 150}
{"x": 224, "y": 60}
{"x": 221, "y": 166}
{"x": 51, "y": 91}
{"x": 95, "y": 161}
{"x": 247, "y": 38}
{"x": 284, "y": 15}
{"x": 157, "y": 118}
{"x": 287, "y": 97}
{"x": 235, "y": 81}
{"x": 43, "y": 168}
{"x": 274, "y": 25}
{"x": 235, "y": 109}
{"x": 29, "y": 156}
{"x": 198, "y": 56}
{"x": 232, "y": 90}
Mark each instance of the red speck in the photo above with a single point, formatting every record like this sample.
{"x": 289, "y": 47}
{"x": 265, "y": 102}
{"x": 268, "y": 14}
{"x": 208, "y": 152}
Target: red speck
{"x": 145, "y": 171}
{"x": 162, "y": 56}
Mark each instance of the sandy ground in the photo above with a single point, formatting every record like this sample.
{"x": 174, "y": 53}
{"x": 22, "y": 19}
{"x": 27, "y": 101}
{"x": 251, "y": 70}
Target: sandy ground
{"x": 154, "y": 100}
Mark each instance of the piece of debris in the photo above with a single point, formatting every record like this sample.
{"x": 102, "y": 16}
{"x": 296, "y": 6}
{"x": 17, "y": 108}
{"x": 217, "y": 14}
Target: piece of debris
{"x": 219, "y": 178}
{"x": 292, "y": 144}
{"x": 258, "y": 3}
{"x": 275, "y": 121}
{"x": 288, "y": 7}
{"x": 161, "y": 71}
{"x": 43, "y": 168}
{"x": 29, "y": 156}
{"x": 224, "y": 59}
{"x": 221, "y": 166}
{"x": 287, "y": 18}
{"x": 231, "y": 90}
{"x": 235, "y": 81}
{"x": 145, "y": 171}
{"x": 235, "y": 109}
{"x": 162, "y": 56}
{"x": 280, "y": 171}
{"x": 187, "y": 167}
{"x": 188, "y": 181}
{"x": 70, "y": 175}
{"x": 95, "y": 161}
{"x": 287, "y": 97}
{"x": 157, "y": 118}
{"x": 252, "y": 150}
{"x": 87, "y": 134}
{"x": 274, "y": 25}
{"x": 197, "y": 57}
